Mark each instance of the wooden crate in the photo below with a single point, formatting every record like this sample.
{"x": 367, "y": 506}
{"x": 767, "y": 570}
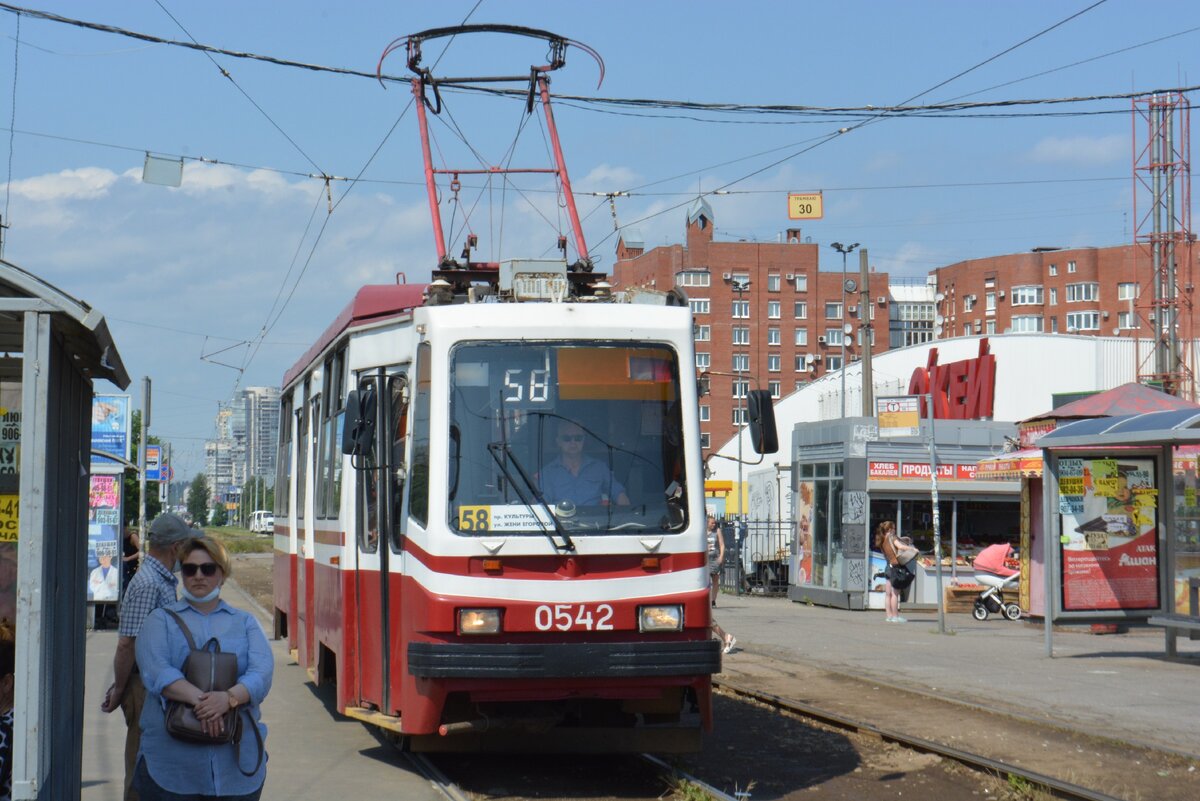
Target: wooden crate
{"x": 961, "y": 597}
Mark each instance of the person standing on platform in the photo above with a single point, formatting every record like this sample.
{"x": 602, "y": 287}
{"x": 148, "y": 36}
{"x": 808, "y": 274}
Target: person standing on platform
{"x": 153, "y": 586}
{"x": 131, "y": 556}
{"x": 886, "y": 542}
{"x": 716, "y": 558}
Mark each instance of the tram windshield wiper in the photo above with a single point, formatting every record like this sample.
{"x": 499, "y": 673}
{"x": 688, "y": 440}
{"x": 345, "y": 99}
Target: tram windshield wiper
{"x": 497, "y": 448}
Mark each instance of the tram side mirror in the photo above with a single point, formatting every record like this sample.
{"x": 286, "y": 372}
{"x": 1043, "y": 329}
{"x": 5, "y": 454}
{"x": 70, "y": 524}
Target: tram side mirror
{"x": 358, "y": 426}
{"x": 763, "y": 436}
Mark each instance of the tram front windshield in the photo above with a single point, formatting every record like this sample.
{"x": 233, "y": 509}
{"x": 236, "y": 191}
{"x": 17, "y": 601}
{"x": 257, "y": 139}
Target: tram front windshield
{"x": 589, "y": 433}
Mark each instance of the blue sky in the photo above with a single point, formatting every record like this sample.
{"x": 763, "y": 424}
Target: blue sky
{"x": 181, "y": 273}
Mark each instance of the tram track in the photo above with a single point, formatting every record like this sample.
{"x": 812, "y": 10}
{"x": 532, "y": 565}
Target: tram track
{"x": 669, "y": 776}
{"x": 1058, "y": 788}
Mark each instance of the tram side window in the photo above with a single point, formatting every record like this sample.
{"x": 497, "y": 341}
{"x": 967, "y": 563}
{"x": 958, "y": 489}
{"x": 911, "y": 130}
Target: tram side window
{"x": 398, "y": 422}
{"x": 321, "y": 456}
{"x": 337, "y": 399}
{"x": 314, "y": 445}
{"x": 418, "y": 472}
{"x": 301, "y": 456}
{"x": 330, "y": 457}
{"x": 366, "y": 487}
{"x": 283, "y": 463}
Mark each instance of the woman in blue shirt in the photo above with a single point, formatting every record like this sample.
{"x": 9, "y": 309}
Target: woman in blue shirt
{"x": 171, "y": 769}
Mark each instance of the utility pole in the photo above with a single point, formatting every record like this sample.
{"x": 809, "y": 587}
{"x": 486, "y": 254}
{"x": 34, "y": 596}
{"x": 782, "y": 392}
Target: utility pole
{"x": 868, "y": 332}
{"x": 142, "y": 458}
{"x": 844, "y": 250}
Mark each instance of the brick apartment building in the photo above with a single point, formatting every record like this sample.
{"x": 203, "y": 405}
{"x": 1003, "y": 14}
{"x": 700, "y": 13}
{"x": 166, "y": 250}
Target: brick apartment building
{"x": 781, "y": 330}
{"x": 1088, "y": 291}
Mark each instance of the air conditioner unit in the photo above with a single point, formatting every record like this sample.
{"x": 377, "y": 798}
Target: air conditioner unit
{"x": 881, "y": 300}
{"x": 1106, "y": 315}
{"x": 791, "y": 276}
{"x": 727, "y": 276}
{"x": 1001, "y": 294}
{"x": 817, "y": 357}
{"x": 820, "y": 340}
{"x": 851, "y": 310}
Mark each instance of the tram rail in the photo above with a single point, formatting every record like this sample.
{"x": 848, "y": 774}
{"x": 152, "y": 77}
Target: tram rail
{"x": 1050, "y": 785}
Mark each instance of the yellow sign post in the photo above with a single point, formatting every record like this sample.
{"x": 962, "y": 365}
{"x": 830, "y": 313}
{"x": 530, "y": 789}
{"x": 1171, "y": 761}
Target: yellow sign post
{"x": 805, "y": 206}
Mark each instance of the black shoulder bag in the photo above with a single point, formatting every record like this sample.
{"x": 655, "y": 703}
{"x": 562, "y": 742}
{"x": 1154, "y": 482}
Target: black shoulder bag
{"x": 211, "y": 670}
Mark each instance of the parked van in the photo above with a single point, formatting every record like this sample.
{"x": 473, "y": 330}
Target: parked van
{"x": 262, "y": 522}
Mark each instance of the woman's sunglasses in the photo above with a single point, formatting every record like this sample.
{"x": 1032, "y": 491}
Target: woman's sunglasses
{"x": 190, "y": 569}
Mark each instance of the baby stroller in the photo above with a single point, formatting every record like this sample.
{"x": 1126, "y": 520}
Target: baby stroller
{"x": 992, "y": 573}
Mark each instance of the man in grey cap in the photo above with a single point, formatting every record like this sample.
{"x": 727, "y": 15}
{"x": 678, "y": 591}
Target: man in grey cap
{"x": 154, "y": 585}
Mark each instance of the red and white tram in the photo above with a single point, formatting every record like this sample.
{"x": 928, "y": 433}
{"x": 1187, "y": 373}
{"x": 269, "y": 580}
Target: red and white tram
{"x": 422, "y": 565}
{"x": 489, "y": 522}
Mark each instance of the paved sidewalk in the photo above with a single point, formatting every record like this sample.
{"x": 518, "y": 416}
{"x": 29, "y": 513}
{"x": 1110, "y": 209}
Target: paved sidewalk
{"x": 1113, "y": 686}
{"x": 314, "y": 752}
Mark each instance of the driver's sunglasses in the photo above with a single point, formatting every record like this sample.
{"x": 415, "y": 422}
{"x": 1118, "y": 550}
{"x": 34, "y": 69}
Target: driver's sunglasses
{"x": 571, "y": 438}
{"x": 189, "y": 569}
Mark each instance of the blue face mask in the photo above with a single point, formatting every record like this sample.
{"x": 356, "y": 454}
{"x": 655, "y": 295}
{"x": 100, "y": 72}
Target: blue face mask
{"x": 197, "y": 599}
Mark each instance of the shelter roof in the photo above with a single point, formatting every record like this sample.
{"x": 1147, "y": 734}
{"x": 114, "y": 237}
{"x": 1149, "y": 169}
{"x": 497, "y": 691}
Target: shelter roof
{"x": 1172, "y": 427}
{"x": 84, "y": 329}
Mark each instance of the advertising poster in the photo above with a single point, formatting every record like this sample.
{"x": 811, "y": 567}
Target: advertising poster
{"x": 110, "y": 430}
{"x": 804, "y": 539}
{"x": 1109, "y": 511}
{"x": 104, "y": 539}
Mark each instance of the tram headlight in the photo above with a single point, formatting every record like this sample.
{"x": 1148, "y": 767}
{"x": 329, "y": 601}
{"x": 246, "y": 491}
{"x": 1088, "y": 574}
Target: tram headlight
{"x": 660, "y": 618}
{"x": 478, "y": 621}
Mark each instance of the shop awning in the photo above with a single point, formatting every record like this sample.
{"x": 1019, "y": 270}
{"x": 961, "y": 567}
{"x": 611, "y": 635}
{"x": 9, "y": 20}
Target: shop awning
{"x": 1010, "y": 466}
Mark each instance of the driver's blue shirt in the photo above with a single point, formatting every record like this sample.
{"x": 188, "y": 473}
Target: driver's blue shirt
{"x": 594, "y": 485}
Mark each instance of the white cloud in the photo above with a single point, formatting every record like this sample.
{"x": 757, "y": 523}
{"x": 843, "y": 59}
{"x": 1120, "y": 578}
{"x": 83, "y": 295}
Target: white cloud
{"x": 1081, "y": 150}
{"x": 85, "y": 183}
{"x": 608, "y": 178}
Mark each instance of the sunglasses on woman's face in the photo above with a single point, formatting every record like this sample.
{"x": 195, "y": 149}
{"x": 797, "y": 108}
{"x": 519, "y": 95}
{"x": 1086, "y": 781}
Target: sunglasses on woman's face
{"x": 571, "y": 438}
{"x": 189, "y": 569}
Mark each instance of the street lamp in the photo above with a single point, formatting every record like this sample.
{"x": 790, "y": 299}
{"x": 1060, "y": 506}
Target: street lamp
{"x": 844, "y": 250}
{"x": 740, "y": 285}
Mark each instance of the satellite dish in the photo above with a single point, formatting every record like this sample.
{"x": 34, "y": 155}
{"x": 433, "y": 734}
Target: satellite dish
{"x": 849, "y": 285}
{"x": 937, "y": 332}
{"x": 939, "y": 319}
{"x": 847, "y": 328}
{"x": 939, "y": 297}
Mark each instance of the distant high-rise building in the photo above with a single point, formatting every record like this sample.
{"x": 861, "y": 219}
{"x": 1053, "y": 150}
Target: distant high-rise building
{"x": 247, "y": 431}
{"x": 261, "y": 408}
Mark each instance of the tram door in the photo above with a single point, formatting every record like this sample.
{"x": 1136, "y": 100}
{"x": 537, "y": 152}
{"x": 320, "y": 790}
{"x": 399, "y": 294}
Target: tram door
{"x": 377, "y": 512}
{"x": 302, "y": 603}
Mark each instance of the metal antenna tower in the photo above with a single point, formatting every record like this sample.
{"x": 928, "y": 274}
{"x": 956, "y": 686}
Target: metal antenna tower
{"x": 1162, "y": 235}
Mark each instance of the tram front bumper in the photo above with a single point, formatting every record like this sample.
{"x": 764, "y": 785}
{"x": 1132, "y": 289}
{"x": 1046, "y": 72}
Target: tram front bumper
{"x": 429, "y": 660}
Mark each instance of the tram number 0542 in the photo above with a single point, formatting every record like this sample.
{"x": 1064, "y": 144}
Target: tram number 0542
{"x": 566, "y": 617}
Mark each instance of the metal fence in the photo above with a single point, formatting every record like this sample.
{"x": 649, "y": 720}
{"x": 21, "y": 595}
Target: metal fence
{"x": 757, "y": 556}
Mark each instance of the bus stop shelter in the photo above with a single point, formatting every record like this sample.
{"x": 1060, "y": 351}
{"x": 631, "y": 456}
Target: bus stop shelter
{"x": 1123, "y": 520}
{"x": 54, "y": 347}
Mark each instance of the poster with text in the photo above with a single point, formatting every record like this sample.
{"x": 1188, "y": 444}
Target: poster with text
{"x": 1109, "y": 539}
{"x": 104, "y": 539}
{"x": 110, "y": 430}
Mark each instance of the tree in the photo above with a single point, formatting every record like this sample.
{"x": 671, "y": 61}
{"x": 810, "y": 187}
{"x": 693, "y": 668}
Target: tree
{"x": 129, "y": 485}
{"x": 220, "y": 516}
{"x": 198, "y": 499}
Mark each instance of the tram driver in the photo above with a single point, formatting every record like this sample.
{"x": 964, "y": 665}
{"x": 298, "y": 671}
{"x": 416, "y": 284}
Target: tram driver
{"x": 573, "y": 476}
